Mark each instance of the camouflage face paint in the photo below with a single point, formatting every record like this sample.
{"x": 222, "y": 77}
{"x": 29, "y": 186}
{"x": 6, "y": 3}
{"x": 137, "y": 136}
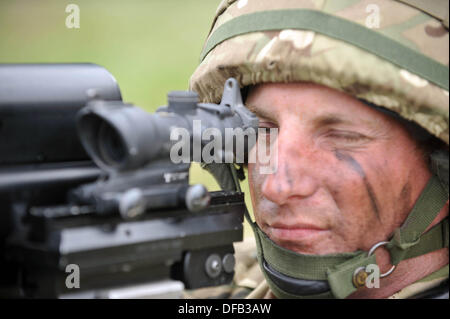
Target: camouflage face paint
{"x": 353, "y": 164}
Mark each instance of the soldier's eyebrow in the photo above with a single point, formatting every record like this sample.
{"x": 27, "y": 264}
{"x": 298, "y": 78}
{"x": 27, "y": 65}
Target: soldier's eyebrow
{"x": 329, "y": 120}
{"x": 262, "y": 114}
{"x": 340, "y": 119}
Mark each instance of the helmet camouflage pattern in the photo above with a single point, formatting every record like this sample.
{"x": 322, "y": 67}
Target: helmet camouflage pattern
{"x": 383, "y": 51}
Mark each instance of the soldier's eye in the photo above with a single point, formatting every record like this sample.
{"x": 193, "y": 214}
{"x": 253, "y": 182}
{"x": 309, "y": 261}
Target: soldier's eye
{"x": 263, "y": 130}
{"x": 265, "y": 127}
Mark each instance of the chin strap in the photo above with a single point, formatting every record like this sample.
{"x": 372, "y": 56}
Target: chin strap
{"x": 293, "y": 275}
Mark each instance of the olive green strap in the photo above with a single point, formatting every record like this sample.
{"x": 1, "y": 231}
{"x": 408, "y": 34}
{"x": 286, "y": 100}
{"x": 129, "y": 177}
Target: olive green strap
{"x": 435, "y": 8}
{"x": 335, "y": 27}
{"x": 434, "y": 239}
{"x": 440, "y": 167}
{"x": 337, "y": 269}
{"x": 406, "y": 239}
{"x": 309, "y": 267}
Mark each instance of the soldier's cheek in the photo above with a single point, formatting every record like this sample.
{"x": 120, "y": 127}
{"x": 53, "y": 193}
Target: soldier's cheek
{"x": 261, "y": 205}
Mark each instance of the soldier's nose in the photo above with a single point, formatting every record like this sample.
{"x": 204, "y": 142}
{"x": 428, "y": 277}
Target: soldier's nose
{"x": 293, "y": 176}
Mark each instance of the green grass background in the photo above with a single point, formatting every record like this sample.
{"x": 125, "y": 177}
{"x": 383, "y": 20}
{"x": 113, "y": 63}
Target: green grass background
{"x": 150, "y": 46}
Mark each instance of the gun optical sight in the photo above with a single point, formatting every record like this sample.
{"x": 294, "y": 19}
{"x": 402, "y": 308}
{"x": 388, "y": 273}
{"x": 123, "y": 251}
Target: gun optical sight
{"x": 122, "y": 137}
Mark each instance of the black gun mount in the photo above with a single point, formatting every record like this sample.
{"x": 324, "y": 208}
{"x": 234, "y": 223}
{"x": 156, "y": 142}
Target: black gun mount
{"x": 132, "y": 224}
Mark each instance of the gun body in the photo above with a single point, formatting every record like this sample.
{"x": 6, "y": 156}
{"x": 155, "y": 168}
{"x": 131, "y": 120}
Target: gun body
{"x": 123, "y": 229}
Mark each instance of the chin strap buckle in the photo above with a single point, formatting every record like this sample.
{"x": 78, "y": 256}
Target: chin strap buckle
{"x": 372, "y": 250}
{"x": 360, "y": 274}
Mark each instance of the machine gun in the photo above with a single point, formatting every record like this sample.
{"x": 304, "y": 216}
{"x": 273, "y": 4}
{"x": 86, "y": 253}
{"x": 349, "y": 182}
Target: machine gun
{"x": 91, "y": 205}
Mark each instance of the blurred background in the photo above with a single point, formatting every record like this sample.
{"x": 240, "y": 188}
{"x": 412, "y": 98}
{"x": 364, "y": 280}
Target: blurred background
{"x": 150, "y": 46}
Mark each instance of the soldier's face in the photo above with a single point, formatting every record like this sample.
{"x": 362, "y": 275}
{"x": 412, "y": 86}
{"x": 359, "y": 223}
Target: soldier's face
{"x": 347, "y": 175}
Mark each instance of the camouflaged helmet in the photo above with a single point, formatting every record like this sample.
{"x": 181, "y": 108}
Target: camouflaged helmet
{"x": 394, "y": 54}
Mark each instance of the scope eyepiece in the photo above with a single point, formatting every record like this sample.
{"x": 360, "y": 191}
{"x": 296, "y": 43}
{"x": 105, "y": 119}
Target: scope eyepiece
{"x": 117, "y": 136}
{"x": 110, "y": 145}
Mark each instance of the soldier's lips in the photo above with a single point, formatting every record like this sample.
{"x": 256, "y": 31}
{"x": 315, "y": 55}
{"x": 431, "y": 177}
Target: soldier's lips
{"x": 293, "y": 233}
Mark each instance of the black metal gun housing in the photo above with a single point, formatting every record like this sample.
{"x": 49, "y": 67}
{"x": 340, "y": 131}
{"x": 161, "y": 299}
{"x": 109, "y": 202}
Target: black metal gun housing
{"x": 126, "y": 219}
